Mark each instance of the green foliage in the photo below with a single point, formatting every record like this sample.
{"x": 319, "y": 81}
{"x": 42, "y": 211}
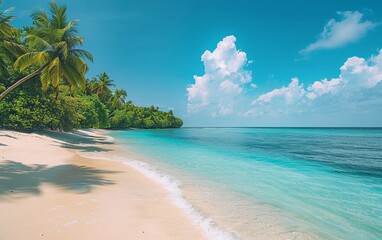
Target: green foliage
{"x": 144, "y": 117}
{"x": 118, "y": 98}
{"x": 52, "y": 45}
{"x": 49, "y": 47}
{"x": 121, "y": 119}
{"x": 102, "y": 114}
{"x": 10, "y": 48}
{"x": 29, "y": 108}
{"x": 101, "y": 86}
{"x": 25, "y": 111}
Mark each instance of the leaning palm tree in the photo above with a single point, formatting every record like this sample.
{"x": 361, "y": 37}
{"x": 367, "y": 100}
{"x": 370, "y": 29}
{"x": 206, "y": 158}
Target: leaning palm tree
{"x": 9, "y": 48}
{"x": 118, "y": 98}
{"x": 103, "y": 84}
{"x": 53, "y": 43}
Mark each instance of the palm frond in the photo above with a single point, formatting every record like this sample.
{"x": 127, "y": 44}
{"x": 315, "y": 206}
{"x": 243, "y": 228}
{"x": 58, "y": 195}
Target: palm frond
{"x": 40, "y": 19}
{"x": 79, "y": 64}
{"x": 42, "y": 58}
{"x": 61, "y": 48}
{"x": 74, "y": 41}
{"x": 45, "y": 79}
{"x": 65, "y": 31}
{"x": 54, "y": 71}
{"x": 72, "y": 73}
{"x": 7, "y": 56}
{"x": 24, "y": 61}
{"x": 14, "y": 48}
{"x": 37, "y": 41}
{"x": 58, "y": 19}
{"x": 6, "y": 30}
{"x": 82, "y": 53}
{"x": 3, "y": 68}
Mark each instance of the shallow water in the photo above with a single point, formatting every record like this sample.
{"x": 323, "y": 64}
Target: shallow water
{"x": 274, "y": 183}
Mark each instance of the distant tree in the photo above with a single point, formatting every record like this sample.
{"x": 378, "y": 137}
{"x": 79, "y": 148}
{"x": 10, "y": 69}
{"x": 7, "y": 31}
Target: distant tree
{"x": 121, "y": 119}
{"x": 102, "y": 85}
{"x": 91, "y": 86}
{"x": 118, "y": 98}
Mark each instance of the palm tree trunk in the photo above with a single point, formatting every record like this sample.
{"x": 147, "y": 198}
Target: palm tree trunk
{"x": 56, "y": 92}
{"x": 21, "y": 81}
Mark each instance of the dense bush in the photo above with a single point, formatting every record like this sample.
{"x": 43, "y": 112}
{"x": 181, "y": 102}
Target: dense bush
{"x": 29, "y": 108}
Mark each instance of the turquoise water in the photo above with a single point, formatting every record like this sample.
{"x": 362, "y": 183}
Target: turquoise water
{"x": 326, "y": 182}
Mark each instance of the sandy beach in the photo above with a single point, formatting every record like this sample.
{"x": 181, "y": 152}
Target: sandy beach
{"x": 49, "y": 191}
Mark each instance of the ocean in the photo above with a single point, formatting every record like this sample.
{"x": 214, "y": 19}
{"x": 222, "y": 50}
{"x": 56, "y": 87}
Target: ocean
{"x": 268, "y": 183}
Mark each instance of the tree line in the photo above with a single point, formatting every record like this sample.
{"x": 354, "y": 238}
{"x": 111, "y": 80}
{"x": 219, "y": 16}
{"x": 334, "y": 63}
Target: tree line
{"x": 43, "y": 84}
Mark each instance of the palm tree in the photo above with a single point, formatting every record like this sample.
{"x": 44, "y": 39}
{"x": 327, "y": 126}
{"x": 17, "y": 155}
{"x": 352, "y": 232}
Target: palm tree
{"x": 152, "y": 113}
{"x": 118, "y": 98}
{"x": 54, "y": 54}
{"x": 103, "y": 84}
{"x": 91, "y": 86}
{"x": 9, "y": 48}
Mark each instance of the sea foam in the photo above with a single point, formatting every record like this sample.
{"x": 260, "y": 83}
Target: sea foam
{"x": 172, "y": 185}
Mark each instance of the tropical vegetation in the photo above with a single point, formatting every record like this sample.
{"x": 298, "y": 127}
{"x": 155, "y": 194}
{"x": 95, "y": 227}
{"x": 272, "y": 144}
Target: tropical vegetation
{"x": 43, "y": 83}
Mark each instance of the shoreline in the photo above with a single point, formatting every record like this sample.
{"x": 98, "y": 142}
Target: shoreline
{"x": 50, "y": 191}
{"x": 226, "y": 213}
{"x": 173, "y": 187}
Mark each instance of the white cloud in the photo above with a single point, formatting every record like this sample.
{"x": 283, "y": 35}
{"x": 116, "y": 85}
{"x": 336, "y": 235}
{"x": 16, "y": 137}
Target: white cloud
{"x": 292, "y": 93}
{"x": 253, "y": 85}
{"x": 356, "y": 84}
{"x": 350, "y": 28}
{"x": 224, "y": 88}
{"x": 225, "y": 110}
{"x": 322, "y": 87}
{"x": 360, "y": 73}
{"x": 229, "y": 86}
{"x": 223, "y": 80}
{"x": 356, "y": 74}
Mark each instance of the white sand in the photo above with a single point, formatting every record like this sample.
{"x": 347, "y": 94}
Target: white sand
{"x": 47, "y": 191}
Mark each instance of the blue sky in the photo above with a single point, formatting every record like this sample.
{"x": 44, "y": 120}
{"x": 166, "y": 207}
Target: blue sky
{"x": 278, "y": 63}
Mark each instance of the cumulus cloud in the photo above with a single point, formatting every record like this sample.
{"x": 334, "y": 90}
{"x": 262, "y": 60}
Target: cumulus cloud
{"x": 292, "y": 93}
{"x": 224, "y": 88}
{"x": 357, "y": 75}
{"x": 350, "y": 28}
{"x": 322, "y": 87}
{"x": 223, "y": 81}
{"x": 360, "y": 73}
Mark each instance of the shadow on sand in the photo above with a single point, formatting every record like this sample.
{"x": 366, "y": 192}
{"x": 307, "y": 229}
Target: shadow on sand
{"x": 7, "y": 135}
{"x": 80, "y": 141}
{"x": 83, "y": 148}
{"x": 24, "y": 180}
{"x": 76, "y": 137}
